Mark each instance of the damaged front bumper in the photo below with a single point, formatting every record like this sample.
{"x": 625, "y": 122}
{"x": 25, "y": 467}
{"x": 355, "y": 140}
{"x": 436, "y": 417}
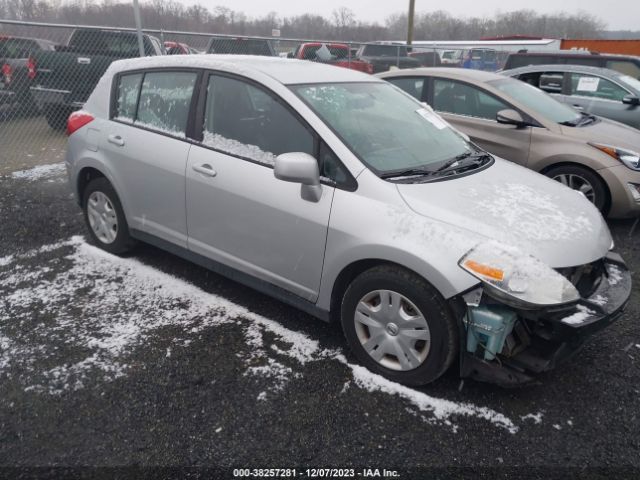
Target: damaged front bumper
{"x": 541, "y": 339}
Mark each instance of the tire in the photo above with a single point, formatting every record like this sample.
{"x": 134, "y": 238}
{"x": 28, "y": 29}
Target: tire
{"x": 57, "y": 117}
{"x": 584, "y": 180}
{"x": 105, "y": 218}
{"x": 432, "y": 333}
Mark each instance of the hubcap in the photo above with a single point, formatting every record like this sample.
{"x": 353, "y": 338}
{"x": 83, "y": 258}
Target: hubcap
{"x": 578, "y": 183}
{"x": 102, "y": 217}
{"x": 392, "y": 330}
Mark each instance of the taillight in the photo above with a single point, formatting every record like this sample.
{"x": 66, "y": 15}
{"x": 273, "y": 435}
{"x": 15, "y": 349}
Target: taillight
{"x": 7, "y": 73}
{"x": 31, "y": 68}
{"x": 78, "y": 120}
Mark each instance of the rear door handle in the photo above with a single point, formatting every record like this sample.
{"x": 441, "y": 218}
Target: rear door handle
{"x": 578, "y": 107}
{"x": 205, "y": 169}
{"x": 116, "y": 140}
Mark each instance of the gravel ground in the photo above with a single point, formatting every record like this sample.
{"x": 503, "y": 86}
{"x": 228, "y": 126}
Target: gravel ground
{"x": 151, "y": 361}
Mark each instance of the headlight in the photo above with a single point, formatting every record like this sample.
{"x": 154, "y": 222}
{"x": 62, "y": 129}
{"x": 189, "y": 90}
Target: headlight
{"x": 517, "y": 279}
{"x": 629, "y": 158}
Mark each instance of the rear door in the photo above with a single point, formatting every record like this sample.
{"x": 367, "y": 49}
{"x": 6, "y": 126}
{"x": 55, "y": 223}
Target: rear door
{"x": 238, "y": 213}
{"x": 146, "y": 143}
{"x": 473, "y": 110}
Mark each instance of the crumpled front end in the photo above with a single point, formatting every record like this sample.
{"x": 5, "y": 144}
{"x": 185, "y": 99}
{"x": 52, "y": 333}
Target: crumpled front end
{"x": 509, "y": 346}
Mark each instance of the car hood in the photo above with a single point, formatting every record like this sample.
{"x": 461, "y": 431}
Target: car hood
{"x": 515, "y": 206}
{"x": 608, "y": 132}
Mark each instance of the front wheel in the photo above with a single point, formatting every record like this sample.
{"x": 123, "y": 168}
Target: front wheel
{"x": 399, "y": 326}
{"x": 582, "y": 180}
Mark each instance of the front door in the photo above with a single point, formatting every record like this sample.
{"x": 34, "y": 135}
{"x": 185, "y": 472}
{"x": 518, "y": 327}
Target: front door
{"x": 238, "y": 213}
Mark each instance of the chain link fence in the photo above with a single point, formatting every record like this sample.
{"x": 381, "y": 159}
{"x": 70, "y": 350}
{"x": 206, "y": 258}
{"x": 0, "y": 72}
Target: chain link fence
{"x": 49, "y": 70}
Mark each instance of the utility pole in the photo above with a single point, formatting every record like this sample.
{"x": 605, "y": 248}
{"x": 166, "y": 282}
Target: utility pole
{"x": 136, "y": 16}
{"x": 412, "y": 10}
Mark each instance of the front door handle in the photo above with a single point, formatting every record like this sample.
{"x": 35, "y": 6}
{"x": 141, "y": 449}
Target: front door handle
{"x": 205, "y": 169}
{"x": 116, "y": 140}
{"x": 578, "y": 107}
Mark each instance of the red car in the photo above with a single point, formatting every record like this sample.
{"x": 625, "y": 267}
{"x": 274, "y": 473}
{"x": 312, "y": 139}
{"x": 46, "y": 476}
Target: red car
{"x": 178, "y": 48}
{"x": 337, "y": 54}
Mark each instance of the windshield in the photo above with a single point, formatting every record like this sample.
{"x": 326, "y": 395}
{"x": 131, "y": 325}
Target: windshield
{"x": 536, "y": 100}
{"x": 632, "y": 82}
{"x": 388, "y": 130}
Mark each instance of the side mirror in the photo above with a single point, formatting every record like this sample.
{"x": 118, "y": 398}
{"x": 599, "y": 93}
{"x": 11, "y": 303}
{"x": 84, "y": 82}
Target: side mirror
{"x": 631, "y": 100}
{"x": 300, "y": 167}
{"x": 510, "y": 117}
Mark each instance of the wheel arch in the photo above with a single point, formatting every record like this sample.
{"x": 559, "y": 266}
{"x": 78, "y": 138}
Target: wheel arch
{"x": 347, "y": 274}
{"x": 568, "y": 163}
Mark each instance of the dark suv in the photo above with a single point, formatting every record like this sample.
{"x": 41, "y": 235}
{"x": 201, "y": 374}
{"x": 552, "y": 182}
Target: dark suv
{"x": 627, "y": 64}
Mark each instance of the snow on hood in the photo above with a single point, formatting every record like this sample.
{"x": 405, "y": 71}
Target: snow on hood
{"x": 517, "y": 207}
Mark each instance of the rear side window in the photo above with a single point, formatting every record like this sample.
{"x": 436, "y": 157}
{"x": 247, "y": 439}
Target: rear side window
{"x": 165, "y": 99}
{"x": 127, "y": 97}
{"x": 596, "y": 87}
{"x": 156, "y": 100}
{"x": 515, "y": 61}
{"x": 413, "y": 86}
{"x": 245, "y": 121}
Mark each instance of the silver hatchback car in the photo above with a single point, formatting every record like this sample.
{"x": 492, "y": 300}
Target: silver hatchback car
{"x": 338, "y": 193}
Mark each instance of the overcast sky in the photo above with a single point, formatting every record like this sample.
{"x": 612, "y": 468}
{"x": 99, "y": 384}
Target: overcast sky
{"x": 618, "y": 14}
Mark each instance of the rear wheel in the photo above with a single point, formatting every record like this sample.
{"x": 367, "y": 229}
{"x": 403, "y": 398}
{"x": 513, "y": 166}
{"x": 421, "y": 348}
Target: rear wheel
{"x": 583, "y": 181}
{"x": 105, "y": 218}
{"x": 399, "y": 326}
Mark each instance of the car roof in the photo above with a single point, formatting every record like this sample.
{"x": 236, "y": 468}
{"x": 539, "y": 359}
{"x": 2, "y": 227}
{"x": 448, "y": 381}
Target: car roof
{"x": 287, "y": 71}
{"x": 573, "y": 54}
{"x": 606, "y": 72}
{"x": 453, "y": 73}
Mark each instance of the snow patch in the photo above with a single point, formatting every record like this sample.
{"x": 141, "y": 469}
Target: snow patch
{"x": 441, "y": 409}
{"x": 240, "y": 149}
{"x": 615, "y": 275}
{"x": 41, "y": 172}
{"x": 582, "y": 315}
{"x": 535, "y": 417}
{"x": 124, "y": 305}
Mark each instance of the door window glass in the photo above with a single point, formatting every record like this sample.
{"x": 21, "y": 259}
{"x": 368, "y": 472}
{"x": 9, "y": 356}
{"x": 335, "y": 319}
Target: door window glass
{"x": 628, "y": 68}
{"x": 462, "y": 99}
{"x": 245, "y": 121}
{"x": 127, "y": 97}
{"x": 413, "y": 86}
{"x": 165, "y": 99}
{"x": 596, "y": 87}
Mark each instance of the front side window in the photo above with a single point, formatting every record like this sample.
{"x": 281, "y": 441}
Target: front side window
{"x": 536, "y": 100}
{"x": 413, "y": 86}
{"x": 246, "y": 121}
{"x": 127, "y": 97}
{"x": 386, "y": 129}
{"x": 596, "y": 87}
{"x": 462, "y": 99}
{"x": 628, "y": 68}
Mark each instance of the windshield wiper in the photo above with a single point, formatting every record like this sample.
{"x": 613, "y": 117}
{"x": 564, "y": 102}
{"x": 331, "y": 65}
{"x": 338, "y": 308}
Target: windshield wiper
{"x": 586, "y": 119}
{"x": 411, "y": 172}
{"x": 477, "y": 158}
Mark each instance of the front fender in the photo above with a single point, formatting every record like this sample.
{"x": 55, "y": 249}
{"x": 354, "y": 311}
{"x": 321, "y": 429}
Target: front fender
{"x": 365, "y": 229}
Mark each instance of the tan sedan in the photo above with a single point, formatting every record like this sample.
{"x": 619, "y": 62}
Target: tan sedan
{"x": 518, "y": 122}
